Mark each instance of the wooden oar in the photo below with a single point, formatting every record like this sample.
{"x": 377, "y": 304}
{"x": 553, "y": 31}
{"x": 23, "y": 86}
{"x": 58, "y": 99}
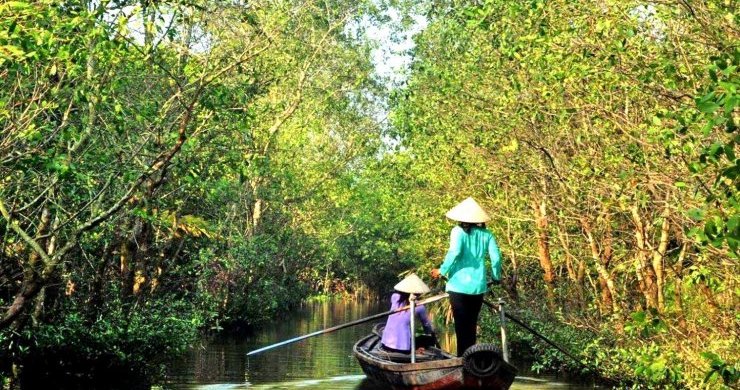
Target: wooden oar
{"x": 538, "y": 334}
{"x": 347, "y": 325}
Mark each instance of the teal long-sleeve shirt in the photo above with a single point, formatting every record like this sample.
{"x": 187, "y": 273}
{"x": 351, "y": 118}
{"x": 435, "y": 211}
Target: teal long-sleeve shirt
{"x": 465, "y": 266}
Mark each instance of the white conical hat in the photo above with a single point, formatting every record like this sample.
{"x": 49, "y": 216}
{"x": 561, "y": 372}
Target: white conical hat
{"x": 468, "y": 211}
{"x": 412, "y": 284}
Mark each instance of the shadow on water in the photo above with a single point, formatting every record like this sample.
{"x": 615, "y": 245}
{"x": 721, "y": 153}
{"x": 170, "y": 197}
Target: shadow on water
{"x": 323, "y": 362}
{"x": 63, "y": 369}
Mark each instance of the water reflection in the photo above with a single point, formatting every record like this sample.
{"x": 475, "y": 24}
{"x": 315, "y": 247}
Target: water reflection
{"x": 222, "y": 363}
{"x": 322, "y": 362}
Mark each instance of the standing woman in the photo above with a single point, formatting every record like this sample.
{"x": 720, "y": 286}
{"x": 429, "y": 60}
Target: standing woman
{"x": 465, "y": 270}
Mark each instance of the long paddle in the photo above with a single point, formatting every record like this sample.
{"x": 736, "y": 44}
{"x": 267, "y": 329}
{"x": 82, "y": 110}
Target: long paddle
{"x": 347, "y": 325}
{"x": 534, "y": 332}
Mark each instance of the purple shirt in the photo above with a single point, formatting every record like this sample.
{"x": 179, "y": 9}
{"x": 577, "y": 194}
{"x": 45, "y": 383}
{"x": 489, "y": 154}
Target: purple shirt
{"x": 397, "y": 332}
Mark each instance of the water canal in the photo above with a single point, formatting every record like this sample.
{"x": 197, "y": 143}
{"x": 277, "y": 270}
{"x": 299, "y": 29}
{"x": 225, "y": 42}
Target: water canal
{"x": 323, "y": 362}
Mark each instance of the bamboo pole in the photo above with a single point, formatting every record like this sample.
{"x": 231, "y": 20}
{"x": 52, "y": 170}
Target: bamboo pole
{"x": 347, "y": 325}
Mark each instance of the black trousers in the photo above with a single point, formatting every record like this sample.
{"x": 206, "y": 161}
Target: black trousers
{"x": 465, "y": 310}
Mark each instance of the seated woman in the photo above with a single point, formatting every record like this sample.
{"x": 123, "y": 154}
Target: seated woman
{"x": 397, "y": 333}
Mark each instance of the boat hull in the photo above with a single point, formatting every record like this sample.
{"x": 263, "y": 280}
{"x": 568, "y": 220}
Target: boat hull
{"x": 437, "y": 370}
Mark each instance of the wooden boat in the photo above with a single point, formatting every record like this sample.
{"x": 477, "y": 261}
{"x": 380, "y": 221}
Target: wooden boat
{"x": 481, "y": 367}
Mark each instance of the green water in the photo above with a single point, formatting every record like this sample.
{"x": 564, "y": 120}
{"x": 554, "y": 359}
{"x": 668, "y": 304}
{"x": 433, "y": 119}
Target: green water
{"x": 323, "y": 362}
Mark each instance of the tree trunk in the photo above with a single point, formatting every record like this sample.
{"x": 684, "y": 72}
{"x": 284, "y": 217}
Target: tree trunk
{"x": 125, "y": 265}
{"x": 575, "y": 274}
{"x": 677, "y": 297}
{"x": 38, "y": 308}
{"x": 164, "y": 254}
{"x": 572, "y": 275}
{"x": 96, "y": 297}
{"x": 40, "y": 300}
{"x": 644, "y": 270}
{"x": 31, "y": 278}
{"x": 257, "y": 214}
{"x": 28, "y": 292}
{"x": 543, "y": 247}
{"x": 658, "y": 256}
{"x": 606, "y": 282}
{"x": 608, "y": 291}
{"x": 254, "y": 206}
{"x": 143, "y": 241}
{"x": 510, "y": 282}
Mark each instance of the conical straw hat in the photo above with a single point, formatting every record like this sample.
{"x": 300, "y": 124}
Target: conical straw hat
{"x": 468, "y": 211}
{"x": 412, "y": 285}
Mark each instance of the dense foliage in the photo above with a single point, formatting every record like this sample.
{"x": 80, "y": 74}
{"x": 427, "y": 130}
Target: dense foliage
{"x": 170, "y": 167}
{"x": 178, "y": 166}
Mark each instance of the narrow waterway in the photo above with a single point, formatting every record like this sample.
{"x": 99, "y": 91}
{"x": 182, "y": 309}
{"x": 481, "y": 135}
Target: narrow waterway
{"x": 323, "y": 362}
